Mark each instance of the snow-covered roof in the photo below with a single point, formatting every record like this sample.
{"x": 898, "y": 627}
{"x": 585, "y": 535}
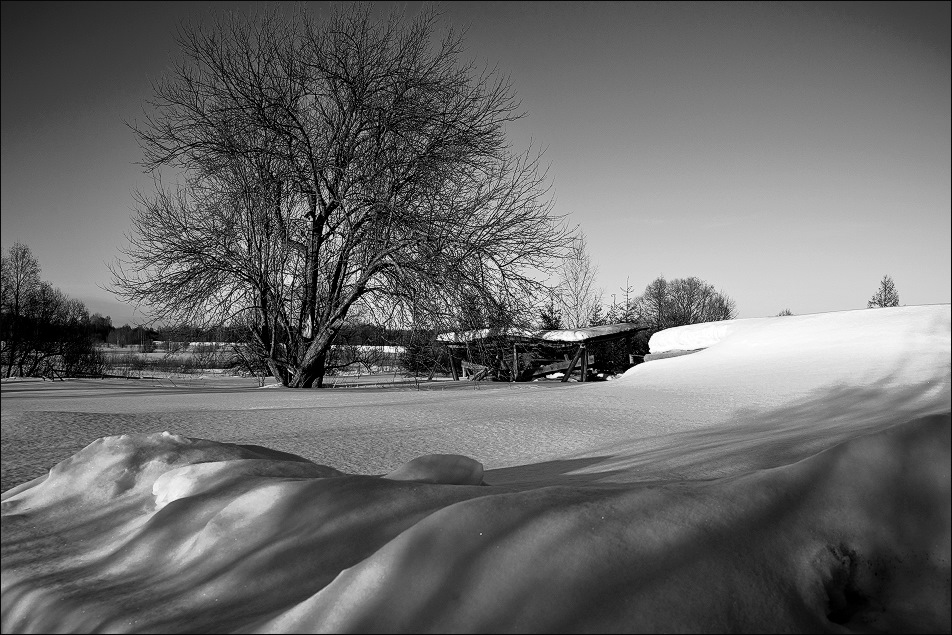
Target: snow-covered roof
{"x": 461, "y": 337}
{"x": 587, "y": 334}
{"x": 607, "y": 331}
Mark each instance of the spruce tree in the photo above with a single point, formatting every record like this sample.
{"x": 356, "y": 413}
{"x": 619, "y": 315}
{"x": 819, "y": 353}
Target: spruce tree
{"x": 886, "y": 296}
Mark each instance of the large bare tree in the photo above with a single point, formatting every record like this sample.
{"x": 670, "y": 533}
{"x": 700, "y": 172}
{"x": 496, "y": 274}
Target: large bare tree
{"x": 325, "y": 165}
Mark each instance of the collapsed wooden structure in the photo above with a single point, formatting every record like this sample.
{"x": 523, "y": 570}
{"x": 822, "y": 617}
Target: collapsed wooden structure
{"x": 540, "y": 351}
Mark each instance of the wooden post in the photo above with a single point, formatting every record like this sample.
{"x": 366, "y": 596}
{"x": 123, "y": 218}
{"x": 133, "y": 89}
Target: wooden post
{"x": 568, "y": 371}
{"x": 584, "y": 361}
{"x": 449, "y": 351}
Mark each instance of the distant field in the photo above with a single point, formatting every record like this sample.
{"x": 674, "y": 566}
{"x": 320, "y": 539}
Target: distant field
{"x": 189, "y": 358}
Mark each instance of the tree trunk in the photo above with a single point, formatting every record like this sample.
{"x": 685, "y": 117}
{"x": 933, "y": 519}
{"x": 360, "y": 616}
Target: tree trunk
{"x": 311, "y": 370}
{"x": 280, "y": 374}
{"x": 319, "y": 370}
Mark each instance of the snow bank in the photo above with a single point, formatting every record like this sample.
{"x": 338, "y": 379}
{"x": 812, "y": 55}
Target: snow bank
{"x": 825, "y": 532}
{"x": 795, "y": 330}
{"x": 847, "y": 339}
{"x": 166, "y": 534}
{"x": 792, "y": 330}
{"x": 696, "y": 336}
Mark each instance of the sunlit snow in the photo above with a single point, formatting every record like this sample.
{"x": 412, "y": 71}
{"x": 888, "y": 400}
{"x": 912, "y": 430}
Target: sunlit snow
{"x": 794, "y": 475}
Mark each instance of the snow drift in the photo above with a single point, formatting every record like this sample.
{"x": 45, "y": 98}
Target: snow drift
{"x": 694, "y": 337}
{"x": 828, "y": 532}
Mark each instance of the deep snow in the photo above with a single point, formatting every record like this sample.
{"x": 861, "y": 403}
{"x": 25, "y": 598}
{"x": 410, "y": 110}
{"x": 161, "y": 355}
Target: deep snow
{"x": 793, "y": 476}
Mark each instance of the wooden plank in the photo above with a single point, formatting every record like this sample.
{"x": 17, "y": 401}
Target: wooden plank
{"x": 453, "y": 367}
{"x": 578, "y": 354}
{"x": 554, "y": 366}
{"x": 476, "y": 371}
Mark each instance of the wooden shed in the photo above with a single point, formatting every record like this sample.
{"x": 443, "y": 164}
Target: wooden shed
{"x": 524, "y": 355}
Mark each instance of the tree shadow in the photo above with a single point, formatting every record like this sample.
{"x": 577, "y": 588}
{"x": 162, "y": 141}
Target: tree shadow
{"x": 754, "y": 439}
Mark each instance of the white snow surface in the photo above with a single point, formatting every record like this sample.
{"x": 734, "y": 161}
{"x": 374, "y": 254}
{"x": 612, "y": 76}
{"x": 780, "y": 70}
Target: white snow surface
{"x": 793, "y": 331}
{"x": 583, "y": 334}
{"x": 697, "y": 336}
{"x": 793, "y": 476}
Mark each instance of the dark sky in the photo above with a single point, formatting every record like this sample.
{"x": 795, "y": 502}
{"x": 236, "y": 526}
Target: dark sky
{"x": 789, "y": 153}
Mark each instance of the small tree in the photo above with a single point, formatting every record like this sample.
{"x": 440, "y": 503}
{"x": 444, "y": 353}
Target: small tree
{"x": 549, "y": 316}
{"x": 886, "y": 296}
{"x": 597, "y": 315}
{"x": 785, "y": 312}
{"x": 625, "y": 308}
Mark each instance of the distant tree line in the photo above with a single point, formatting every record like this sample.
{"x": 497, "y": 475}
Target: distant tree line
{"x": 357, "y": 344}
{"x": 144, "y": 337}
{"x": 44, "y": 332}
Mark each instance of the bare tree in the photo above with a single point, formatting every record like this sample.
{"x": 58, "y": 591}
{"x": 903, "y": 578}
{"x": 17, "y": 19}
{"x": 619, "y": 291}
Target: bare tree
{"x": 692, "y": 301}
{"x": 578, "y": 298}
{"x": 886, "y": 296}
{"x": 328, "y": 166}
{"x": 652, "y": 306}
{"x": 682, "y": 301}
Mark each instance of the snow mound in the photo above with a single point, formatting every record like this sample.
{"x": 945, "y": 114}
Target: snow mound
{"x": 811, "y": 492}
{"x": 856, "y": 536}
{"x": 696, "y": 336}
{"x": 851, "y": 537}
{"x": 126, "y": 465}
{"x": 201, "y": 478}
{"x": 793, "y": 331}
{"x": 449, "y": 469}
{"x": 903, "y": 345}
